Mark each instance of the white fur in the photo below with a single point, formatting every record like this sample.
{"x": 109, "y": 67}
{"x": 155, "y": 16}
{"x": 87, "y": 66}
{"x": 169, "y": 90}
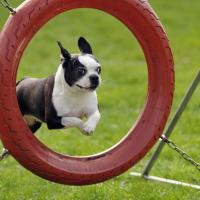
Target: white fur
{"x": 88, "y": 60}
{"x": 73, "y": 103}
{"x": 92, "y": 65}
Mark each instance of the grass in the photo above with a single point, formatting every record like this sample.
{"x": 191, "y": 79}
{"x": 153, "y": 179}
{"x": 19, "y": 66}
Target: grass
{"x": 121, "y": 97}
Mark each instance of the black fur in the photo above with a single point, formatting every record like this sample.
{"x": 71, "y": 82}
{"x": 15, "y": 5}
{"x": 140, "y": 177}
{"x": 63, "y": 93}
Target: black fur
{"x": 84, "y": 46}
{"x": 65, "y": 54}
{"x": 35, "y": 126}
{"x": 73, "y": 70}
{"x": 52, "y": 120}
{"x": 35, "y": 99}
{"x": 30, "y": 95}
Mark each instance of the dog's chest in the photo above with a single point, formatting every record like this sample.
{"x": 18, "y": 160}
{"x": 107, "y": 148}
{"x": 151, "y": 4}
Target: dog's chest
{"x": 66, "y": 106}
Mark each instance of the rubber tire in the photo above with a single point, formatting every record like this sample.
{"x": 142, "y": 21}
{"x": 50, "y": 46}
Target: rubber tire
{"x": 139, "y": 17}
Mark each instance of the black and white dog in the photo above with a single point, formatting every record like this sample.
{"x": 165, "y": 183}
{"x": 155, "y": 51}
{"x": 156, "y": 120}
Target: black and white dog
{"x": 63, "y": 100}
{"x": 66, "y": 99}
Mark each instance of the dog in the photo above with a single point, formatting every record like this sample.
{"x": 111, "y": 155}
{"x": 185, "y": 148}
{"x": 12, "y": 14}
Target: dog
{"x": 66, "y": 99}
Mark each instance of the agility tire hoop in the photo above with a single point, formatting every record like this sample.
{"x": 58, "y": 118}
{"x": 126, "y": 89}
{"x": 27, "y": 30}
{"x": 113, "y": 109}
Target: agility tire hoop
{"x": 141, "y": 20}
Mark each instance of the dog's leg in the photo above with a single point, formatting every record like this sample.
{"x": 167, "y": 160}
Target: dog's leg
{"x": 90, "y": 125}
{"x": 5, "y": 153}
{"x": 33, "y": 123}
{"x": 35, "y": 127}
{"x": 68, "y": 122}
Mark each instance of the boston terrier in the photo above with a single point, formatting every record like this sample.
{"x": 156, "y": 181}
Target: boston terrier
{"x": 66, "y": 99}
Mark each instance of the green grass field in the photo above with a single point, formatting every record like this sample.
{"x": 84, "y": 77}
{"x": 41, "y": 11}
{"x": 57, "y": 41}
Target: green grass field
{"x": 121, "y": 98}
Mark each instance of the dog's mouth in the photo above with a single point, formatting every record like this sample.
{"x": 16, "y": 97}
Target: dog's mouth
{"x": 91, "y": 88}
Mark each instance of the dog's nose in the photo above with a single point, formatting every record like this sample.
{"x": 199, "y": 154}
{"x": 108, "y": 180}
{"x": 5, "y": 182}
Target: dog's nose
{"x": 94, "y": 79}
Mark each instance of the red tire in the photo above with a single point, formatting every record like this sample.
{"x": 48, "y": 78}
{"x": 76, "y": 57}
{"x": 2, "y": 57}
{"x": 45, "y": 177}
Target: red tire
{"x": 139, "y": 17}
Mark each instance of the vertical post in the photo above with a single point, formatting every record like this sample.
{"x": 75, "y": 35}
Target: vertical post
{"x": 173, "y": 123}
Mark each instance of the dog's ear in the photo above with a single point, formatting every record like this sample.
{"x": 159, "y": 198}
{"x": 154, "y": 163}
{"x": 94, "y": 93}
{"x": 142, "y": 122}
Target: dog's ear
{"x": 64, "y": 53}
{"x": 84, "y": 46}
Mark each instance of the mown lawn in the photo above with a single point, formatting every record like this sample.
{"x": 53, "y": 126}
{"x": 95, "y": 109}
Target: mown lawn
{"x": 121, "y": 98}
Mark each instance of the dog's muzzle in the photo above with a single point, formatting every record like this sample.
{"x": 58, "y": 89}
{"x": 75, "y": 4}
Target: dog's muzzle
{"x": 94, "y": 80}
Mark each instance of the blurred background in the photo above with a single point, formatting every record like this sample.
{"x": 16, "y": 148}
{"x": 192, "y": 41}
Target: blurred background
{"x": 121, "y": 98}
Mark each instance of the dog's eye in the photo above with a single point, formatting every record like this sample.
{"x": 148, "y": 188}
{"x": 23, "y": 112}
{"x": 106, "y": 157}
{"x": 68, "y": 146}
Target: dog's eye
{"x": 99, "y": 70}
{"x": 81, "y": 71}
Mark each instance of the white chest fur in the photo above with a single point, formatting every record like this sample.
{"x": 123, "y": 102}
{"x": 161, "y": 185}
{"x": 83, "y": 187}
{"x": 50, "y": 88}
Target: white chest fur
{"x": 73, "y": 106}
{"x": 69, "y": 102}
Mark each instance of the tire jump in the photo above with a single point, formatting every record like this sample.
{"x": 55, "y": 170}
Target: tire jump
{"x": 141, "y": 20}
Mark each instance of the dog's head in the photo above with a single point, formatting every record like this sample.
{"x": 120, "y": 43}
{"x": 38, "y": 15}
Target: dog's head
{"x": 81, "y": 71}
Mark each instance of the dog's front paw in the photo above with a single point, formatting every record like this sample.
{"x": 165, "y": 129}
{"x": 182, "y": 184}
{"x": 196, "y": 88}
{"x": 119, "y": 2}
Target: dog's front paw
{"x": 88, "y": 128}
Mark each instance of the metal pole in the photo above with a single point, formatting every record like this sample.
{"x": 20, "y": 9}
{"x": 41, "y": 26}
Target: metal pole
{"x": 173, "y": 123}
{"x": 164, "y": 180}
